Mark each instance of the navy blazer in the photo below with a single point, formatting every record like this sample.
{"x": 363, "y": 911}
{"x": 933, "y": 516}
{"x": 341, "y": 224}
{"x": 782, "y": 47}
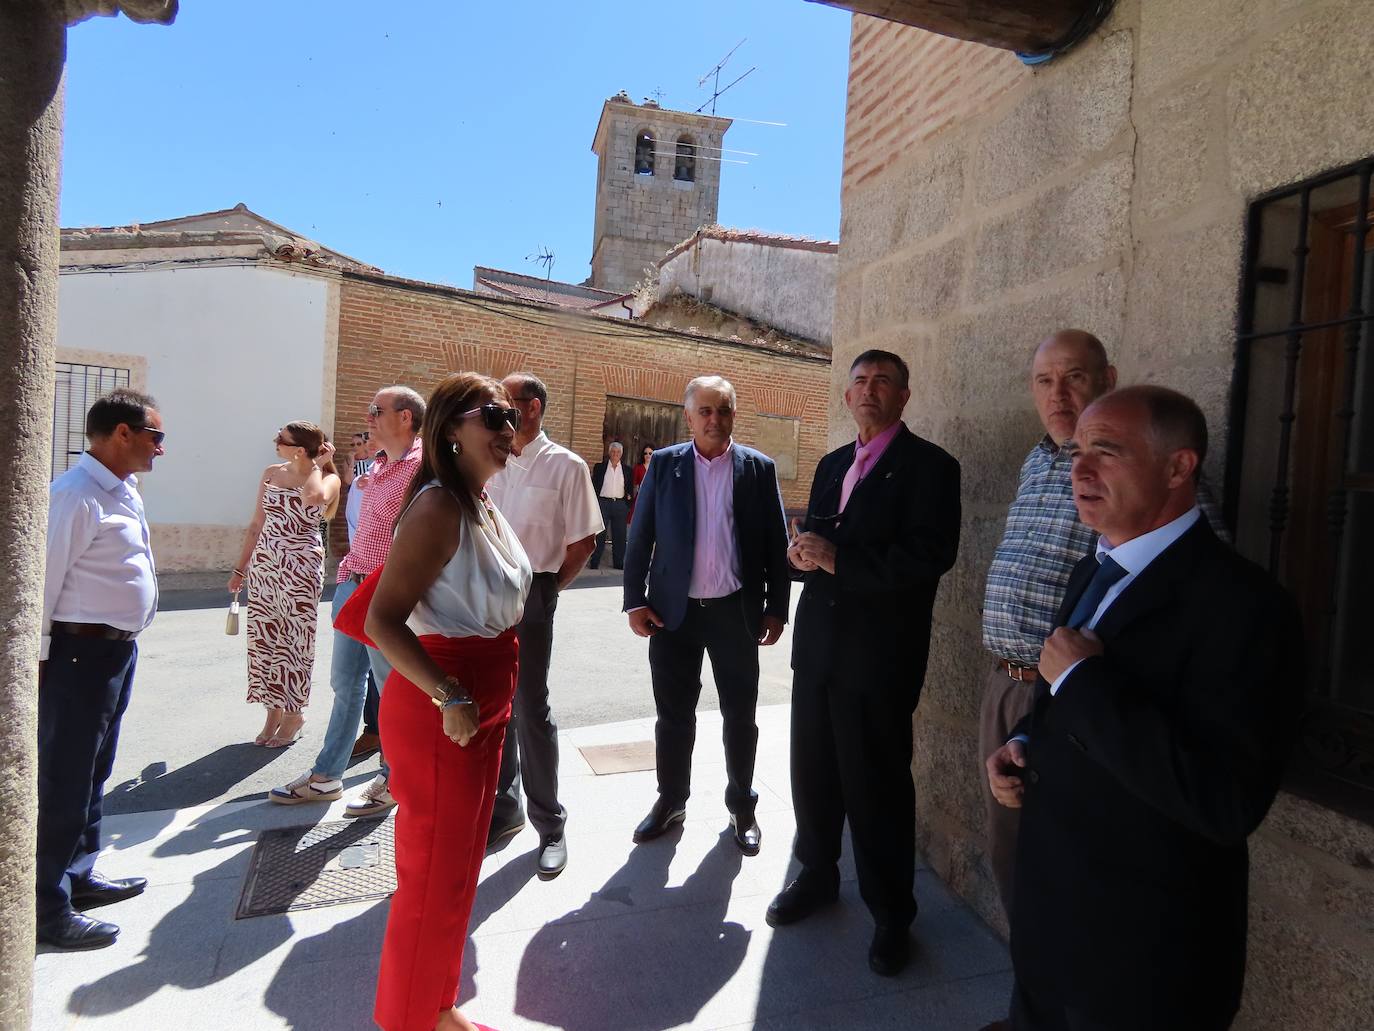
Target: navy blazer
{"x": 658, "y": 559}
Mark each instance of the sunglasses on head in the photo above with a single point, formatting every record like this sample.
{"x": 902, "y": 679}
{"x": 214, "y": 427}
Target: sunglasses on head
{"x": 158, "y": 435}
{"x": 494, "y": 416}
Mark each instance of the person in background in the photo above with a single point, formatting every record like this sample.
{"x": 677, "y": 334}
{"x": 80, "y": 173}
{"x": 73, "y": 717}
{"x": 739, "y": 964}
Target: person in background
{"x": 282, "y": 563}
{"x": 450, "y": 595}
{"x": 99, "y": 594}
{"x": 641, "y": 470}
{"x": 355, "y": 475}
{"x": 614, "y": 484}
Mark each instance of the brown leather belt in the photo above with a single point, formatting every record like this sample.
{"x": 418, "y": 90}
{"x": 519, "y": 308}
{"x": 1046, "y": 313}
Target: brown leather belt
{"x": 1018, "y": 671}
{"x": 102, "y": 630}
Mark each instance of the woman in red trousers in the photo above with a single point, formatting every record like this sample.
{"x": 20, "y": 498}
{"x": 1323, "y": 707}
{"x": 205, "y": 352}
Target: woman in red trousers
{"x": 452, "y": 589}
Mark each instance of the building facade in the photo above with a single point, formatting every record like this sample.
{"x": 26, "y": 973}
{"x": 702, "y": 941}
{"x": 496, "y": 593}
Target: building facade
{"x": 1191, "y": 184}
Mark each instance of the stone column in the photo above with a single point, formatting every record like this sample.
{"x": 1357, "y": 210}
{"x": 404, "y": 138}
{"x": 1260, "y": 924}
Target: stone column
{"x": 33, "y": 40}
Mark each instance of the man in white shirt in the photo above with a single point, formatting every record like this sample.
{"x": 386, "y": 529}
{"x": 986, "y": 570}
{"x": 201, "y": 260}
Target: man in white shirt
{"x": 99, "y": 593}
{"x": 614, "y": 483}
{"x": 547, "y": 497}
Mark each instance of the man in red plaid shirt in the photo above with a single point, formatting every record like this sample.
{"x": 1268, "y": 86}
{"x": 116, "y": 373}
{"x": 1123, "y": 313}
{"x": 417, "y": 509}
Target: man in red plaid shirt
{"x": 394, "y": 420}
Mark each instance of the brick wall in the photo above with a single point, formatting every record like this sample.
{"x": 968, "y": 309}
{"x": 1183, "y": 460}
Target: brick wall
{"x": 391, "y": 331}
{"x": 986, "y": 205}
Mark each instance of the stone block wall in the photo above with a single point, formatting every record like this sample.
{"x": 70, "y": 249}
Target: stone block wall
{"x": 395, "y": 331}
{"x": 1107, "y": 190}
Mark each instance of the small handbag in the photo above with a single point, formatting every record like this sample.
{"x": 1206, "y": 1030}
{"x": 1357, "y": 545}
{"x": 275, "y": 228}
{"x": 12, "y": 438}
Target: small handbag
{"x": 353, "y": 616}
{"x": 231, "y": 621}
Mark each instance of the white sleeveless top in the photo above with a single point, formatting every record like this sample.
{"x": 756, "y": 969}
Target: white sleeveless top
{"x": 481, "y": 592}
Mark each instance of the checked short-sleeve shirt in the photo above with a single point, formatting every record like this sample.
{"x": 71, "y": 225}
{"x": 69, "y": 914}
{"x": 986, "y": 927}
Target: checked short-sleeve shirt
{"x": 386, "y": 489}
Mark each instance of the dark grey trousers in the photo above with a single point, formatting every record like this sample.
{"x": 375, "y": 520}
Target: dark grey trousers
{"x": 530, "y": 754}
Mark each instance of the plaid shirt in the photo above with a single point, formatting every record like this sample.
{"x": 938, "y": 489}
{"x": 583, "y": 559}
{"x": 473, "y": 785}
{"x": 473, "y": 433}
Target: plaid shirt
{"x": 1042, "y": 543}
{"x": 386, "y": 489}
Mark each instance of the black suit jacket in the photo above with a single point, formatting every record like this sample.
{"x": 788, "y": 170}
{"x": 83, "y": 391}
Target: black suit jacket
{"x": 659, "y": 556}
{"x": 1146, "y": 772}
{"x": 599, "y": 475}
{"x": 867, "y": 626}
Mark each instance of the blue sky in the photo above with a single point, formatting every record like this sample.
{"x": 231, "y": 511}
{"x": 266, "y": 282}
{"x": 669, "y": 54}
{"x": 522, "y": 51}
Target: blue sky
{"x": 443, "y": 136}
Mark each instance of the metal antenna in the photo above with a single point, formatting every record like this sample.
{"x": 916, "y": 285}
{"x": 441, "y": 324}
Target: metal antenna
{"x": 545, "y": 258}
{"x": 714, "y": 75}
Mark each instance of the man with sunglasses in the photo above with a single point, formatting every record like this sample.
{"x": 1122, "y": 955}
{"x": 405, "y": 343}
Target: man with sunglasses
{"x": 393, "y": 421}
{"x": 100, "y": 593}
{"x": 546, "y": 495}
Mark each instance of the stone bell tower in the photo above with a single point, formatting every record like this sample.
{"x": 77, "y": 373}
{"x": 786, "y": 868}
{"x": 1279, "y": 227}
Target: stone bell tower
{"x": 657, "y": 182}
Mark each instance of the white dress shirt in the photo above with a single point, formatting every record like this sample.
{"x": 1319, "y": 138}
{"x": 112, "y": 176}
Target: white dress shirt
{"x": 546, "y": 495}
{"x": 613, "y": 483}
{"x": 100, "y": 558}
{"x": 1133, "y": 556}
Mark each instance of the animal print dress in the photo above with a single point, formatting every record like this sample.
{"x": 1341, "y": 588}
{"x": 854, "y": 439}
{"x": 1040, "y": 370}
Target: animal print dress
{"x": 284, "y": 584}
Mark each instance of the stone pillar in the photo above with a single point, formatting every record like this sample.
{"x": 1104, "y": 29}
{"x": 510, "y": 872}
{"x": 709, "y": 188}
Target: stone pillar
{"x": 33, "y": 40}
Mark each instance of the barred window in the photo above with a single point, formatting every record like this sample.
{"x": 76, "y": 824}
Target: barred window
{"x": 1300, "y": 465}
{"x": 77, "y": 387}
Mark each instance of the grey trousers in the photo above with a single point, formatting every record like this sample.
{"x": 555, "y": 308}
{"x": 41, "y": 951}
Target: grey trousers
{"x": 530, "y": 754}
{"x": 1005, "y": 702}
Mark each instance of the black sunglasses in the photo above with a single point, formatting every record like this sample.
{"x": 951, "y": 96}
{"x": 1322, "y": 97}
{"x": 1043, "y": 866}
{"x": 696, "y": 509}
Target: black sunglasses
{"x": 158, "y": 435}
{"x": 494, "y": 417}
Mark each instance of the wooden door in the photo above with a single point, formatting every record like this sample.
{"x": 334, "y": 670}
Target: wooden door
{"x": 636, "y": 423}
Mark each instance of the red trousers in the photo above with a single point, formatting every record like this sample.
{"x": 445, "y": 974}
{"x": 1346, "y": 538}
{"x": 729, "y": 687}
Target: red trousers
{"x": 444, "y": 795}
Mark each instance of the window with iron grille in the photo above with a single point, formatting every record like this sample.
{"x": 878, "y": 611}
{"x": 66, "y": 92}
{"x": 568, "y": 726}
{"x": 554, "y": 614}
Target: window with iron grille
{"x": 77, "y": 388}
{"x": 1300, "y": 465}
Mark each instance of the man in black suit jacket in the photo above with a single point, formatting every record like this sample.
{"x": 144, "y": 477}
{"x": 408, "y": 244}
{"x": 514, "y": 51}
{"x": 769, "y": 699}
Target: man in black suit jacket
{"x": 706, "y": 573}
{"x": 614, "y": 499}
{"x": 882, "y": 527}
{"x": 1163, "y": 716}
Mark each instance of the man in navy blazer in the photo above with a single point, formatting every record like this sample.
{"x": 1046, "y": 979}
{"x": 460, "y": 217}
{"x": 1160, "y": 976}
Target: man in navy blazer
{"x": 706, "y": 573}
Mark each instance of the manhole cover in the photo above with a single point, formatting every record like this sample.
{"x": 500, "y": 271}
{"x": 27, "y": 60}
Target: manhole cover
{"x": 325, "y": 864}
{"x": 626, "y": 757}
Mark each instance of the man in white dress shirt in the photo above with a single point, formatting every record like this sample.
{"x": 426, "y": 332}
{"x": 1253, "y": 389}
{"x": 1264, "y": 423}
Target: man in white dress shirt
{"x": 614, "y": 484}
{"x": 546, "y": 495}
{"x": 99, "y": 593}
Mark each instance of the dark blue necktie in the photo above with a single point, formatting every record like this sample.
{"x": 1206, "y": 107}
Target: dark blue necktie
{"x": 1108, "y": 573}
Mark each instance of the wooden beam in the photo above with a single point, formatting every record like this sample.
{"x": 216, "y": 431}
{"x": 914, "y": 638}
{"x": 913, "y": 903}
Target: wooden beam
{"x": 1030, "y": 28}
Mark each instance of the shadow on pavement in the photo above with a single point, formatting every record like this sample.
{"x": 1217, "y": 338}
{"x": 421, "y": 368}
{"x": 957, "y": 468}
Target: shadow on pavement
{"x": 585, "y": 973}
{"x": 197, "y": 783}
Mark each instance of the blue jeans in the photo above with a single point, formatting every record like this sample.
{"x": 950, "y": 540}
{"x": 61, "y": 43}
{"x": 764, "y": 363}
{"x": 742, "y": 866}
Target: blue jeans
{"x": 348, "y": 677}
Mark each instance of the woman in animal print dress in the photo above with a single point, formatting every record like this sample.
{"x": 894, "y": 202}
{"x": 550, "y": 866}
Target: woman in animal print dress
{"x": 282, "y": 563}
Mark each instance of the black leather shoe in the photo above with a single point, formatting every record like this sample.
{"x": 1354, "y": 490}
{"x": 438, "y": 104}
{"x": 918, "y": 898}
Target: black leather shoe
{"x": 553, "y": 856}
{"x": 77, "y": 931}
{"x": 748, "y": 837}
{"x": 98, "y": 890}
{"x": 500, "y": 833}
{"x": 891, "y": 949}
{"x": 799, "y": 900}
{"x": 662, "y": 816}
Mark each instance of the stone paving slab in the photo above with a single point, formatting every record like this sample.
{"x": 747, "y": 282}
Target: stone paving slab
{"x": 665, "y": 935}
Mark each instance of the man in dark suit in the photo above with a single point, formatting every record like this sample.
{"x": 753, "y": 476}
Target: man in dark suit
{"x": 882, "y": 527}
{"x": 1164, "y": 713}
{"x": 614, "y": 492}
{"x": 706, "y": 573}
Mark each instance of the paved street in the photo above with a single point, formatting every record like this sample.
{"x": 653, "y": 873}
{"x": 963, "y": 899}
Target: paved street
{"x": 187, "y": 736}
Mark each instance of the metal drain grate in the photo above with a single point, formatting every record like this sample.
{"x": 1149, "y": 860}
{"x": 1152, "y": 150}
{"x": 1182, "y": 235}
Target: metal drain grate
{"x": 325, "y": 864}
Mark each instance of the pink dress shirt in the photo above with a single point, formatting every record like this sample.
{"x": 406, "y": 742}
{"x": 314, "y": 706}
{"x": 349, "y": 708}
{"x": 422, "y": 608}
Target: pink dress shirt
{"x": 865, "y": 458}
{"x": 715, "y": 553}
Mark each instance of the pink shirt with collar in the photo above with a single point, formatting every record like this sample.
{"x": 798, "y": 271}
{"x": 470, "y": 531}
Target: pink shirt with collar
{"x": 715, "y": 553}
{"x": 865, "y": 458}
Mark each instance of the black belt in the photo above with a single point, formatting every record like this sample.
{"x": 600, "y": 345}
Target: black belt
{"x": 707, "y": 602}
{"x": 101, "y": 630}
{"x": 547, "y": 576}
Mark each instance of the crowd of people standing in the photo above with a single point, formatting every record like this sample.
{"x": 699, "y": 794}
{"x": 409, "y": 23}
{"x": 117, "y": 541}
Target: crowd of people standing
{"x": 1140, "y": 703}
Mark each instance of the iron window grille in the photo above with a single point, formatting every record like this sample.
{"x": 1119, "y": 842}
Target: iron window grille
{"x": 77, "y": 387}
{"x": 1300, "y": 459}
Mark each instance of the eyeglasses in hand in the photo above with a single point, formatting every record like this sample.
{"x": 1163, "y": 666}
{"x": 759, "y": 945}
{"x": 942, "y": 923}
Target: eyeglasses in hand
{"x": 494, "y": 416}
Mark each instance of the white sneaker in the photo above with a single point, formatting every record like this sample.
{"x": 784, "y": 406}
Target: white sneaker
{"x": 374, "y": 800}
{"x": 303, "y": 789}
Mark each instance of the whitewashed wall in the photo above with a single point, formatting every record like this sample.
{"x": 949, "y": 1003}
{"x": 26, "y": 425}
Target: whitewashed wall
{"x": 232, "y": 353}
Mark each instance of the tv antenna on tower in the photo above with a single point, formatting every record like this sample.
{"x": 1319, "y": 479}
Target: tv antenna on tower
{"x": 714, "y": 76}
{"x": 545, "y": 258}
